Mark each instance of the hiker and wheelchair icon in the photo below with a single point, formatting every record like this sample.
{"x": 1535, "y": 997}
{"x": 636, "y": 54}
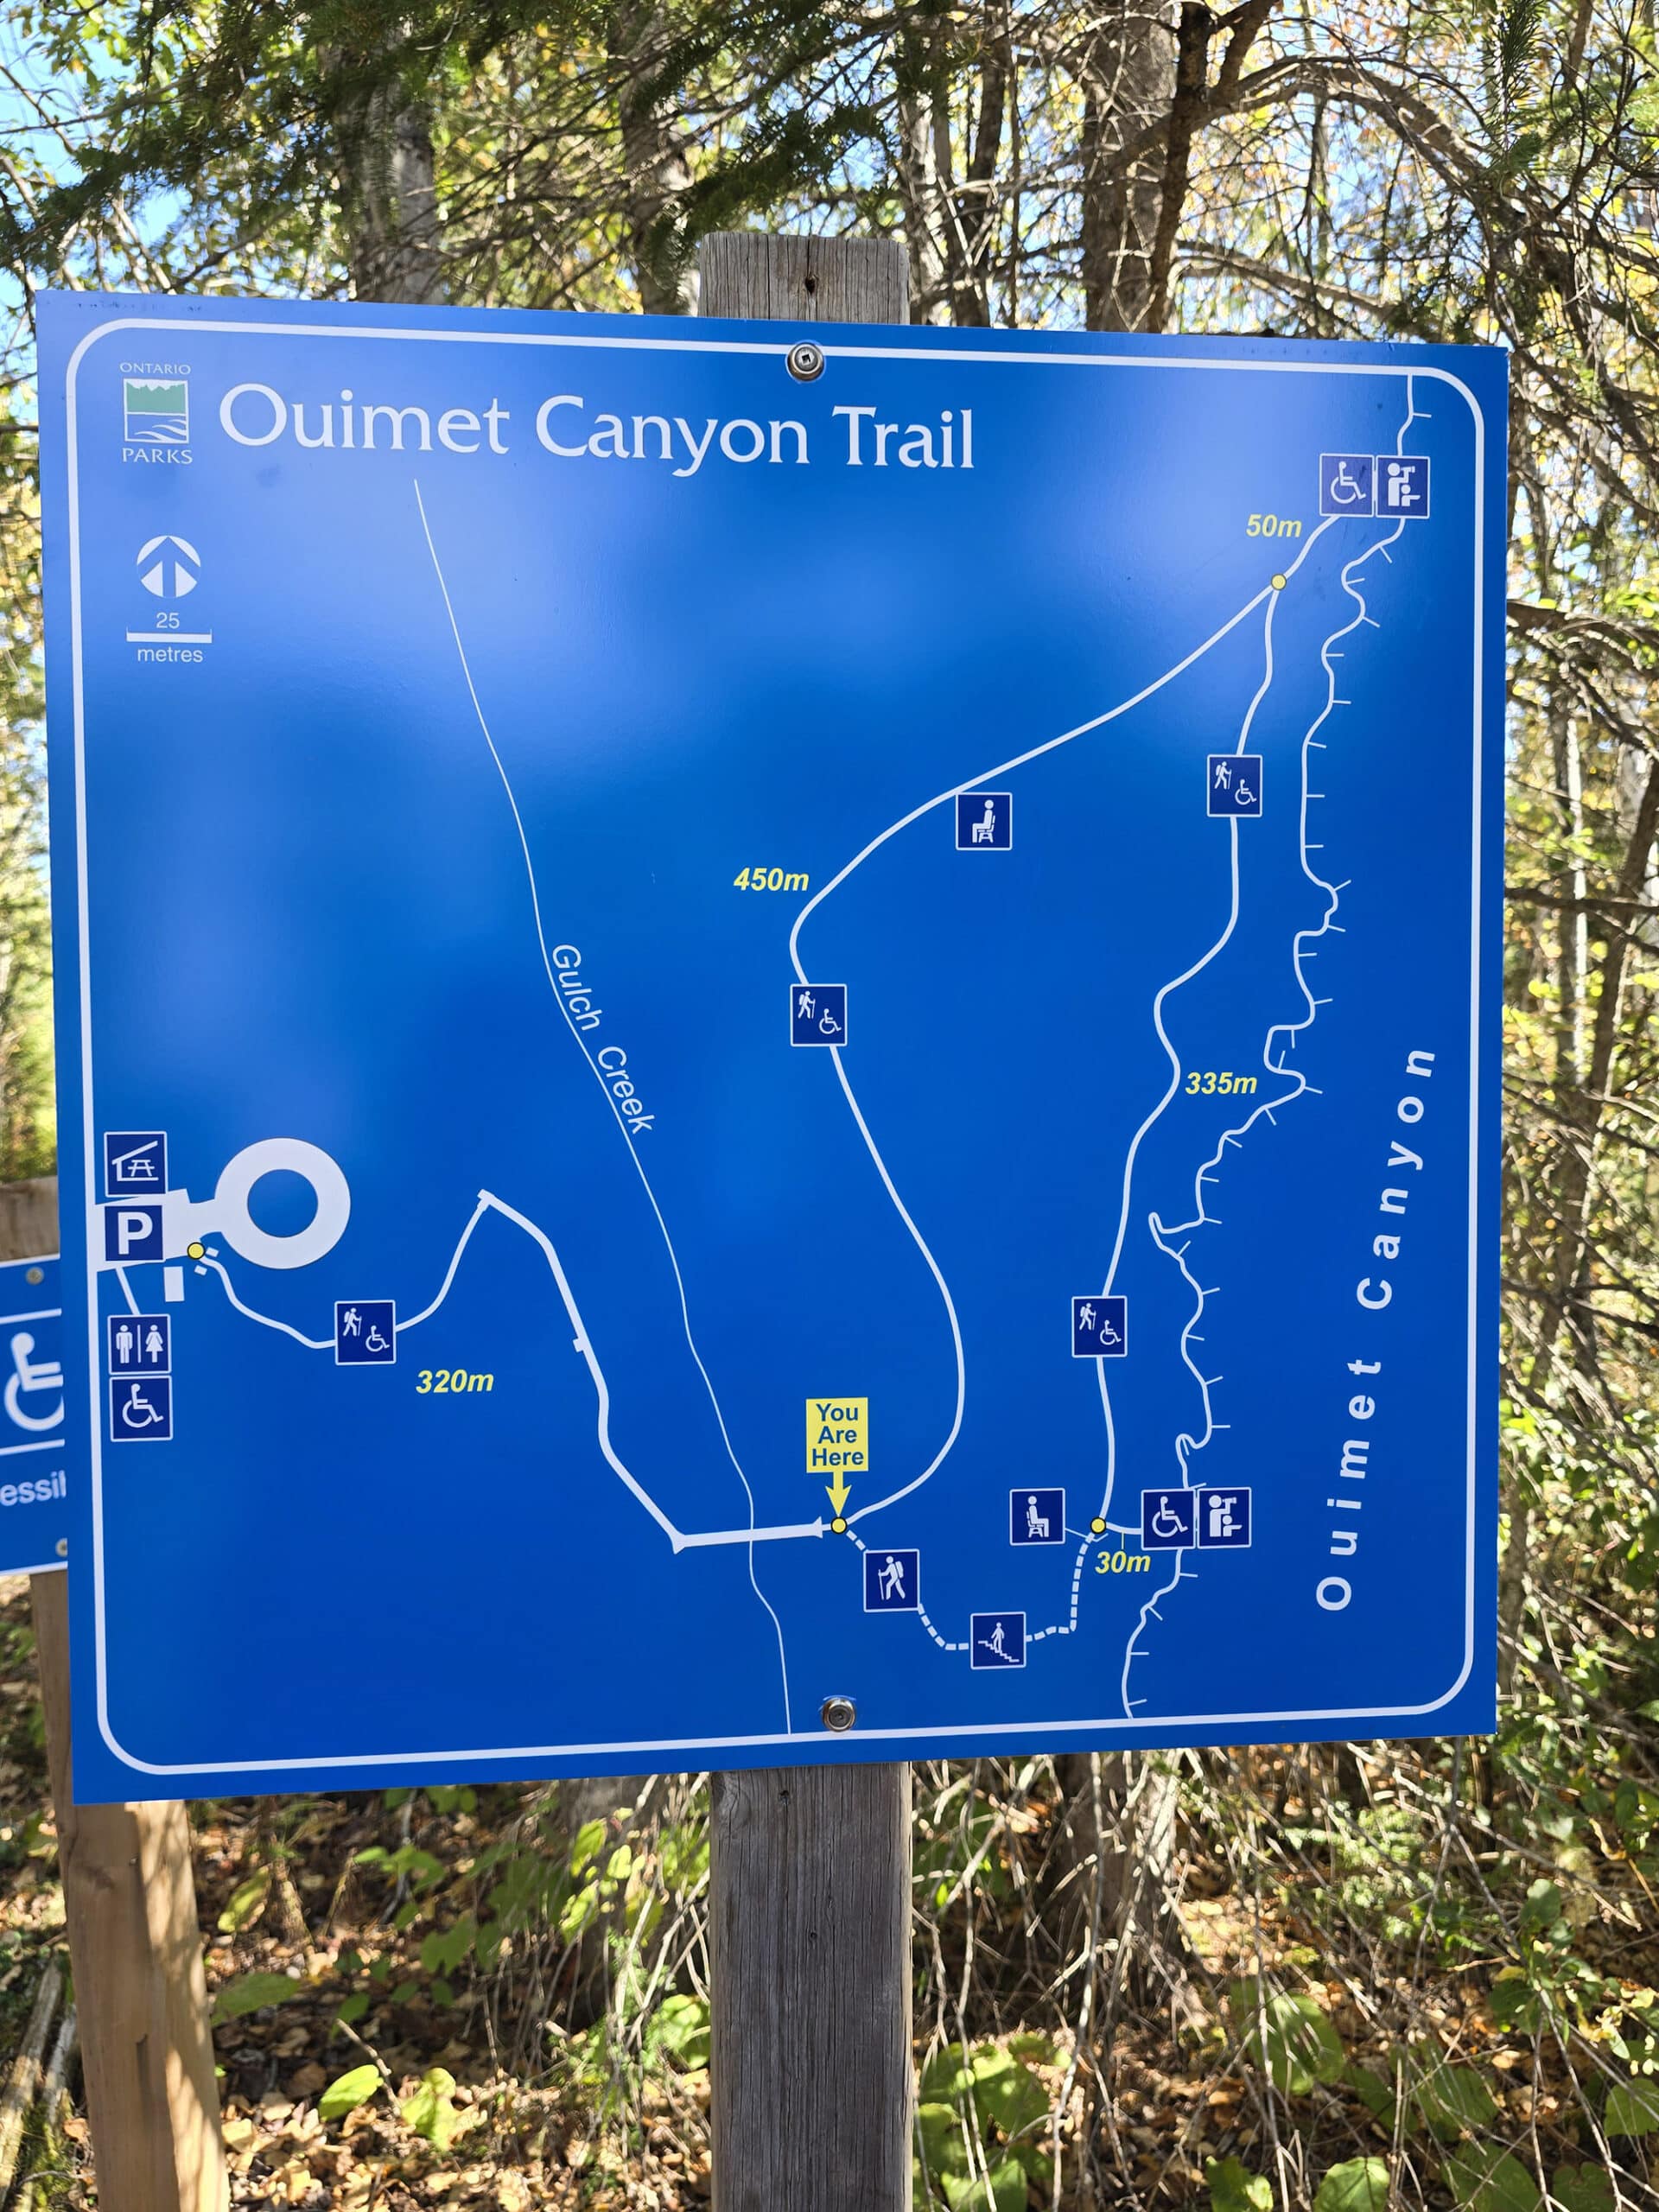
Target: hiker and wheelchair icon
{"x": 818, "y": 1013}
{"x": 366, "y": 1332}
{"x": 1233, "y": 784}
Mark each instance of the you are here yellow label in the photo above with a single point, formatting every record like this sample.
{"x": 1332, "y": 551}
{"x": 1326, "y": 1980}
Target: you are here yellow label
{"x": 837, "y": 1435}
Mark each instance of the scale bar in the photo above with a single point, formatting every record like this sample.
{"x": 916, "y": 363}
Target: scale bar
{"x": 169, "y": 637}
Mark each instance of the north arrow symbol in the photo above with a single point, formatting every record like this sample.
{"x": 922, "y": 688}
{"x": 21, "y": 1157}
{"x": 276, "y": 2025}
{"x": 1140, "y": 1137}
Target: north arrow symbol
{"x": 168, "y": 567}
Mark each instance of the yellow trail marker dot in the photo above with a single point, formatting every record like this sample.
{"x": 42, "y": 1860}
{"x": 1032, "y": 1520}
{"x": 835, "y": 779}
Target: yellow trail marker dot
{"x": 1279, "y": 582}
{"x": 194, "y": 1251}
{"x": 1098, "y": 1526}
{"x": 839, "y": 1525}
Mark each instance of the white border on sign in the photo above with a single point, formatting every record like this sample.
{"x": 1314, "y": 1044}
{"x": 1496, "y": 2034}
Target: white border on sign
{"x": 1112, "y": 1724}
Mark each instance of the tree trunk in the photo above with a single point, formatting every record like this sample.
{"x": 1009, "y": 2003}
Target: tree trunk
{"x": 395, "y": 251}
{"x": 1581, "y": 1111}
{"x": 921, "y": 187}
{"x": 655, "y": 174}
{"x": 1130, "y": 1856}
{"x": 622, "y": 1802}
{"x": 974, "y": 224}
{"x": 1128, "y": 73}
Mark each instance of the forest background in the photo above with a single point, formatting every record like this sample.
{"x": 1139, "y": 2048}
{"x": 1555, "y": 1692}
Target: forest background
{"x": 1334, "y": 1978}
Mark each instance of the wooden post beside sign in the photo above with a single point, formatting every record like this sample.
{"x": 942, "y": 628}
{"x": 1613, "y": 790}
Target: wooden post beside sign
{"x": 810, "y": 2065}
{"x": 129, "y": 1904}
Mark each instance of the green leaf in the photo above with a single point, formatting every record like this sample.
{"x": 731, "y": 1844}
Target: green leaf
{"x": 1484, "y": 2179}
{"x": 444, "y": 1950}
{"x": 351, "y": 2091}
{"x": 247, "y": 1901}
{"x": 1002, "y": 2190}
{"x": 947, "y": 2077}
{"x": 1515, "y": 2003}
{"x": 680, "y": 2032}
{"x": 1583, "y": 2188}
{"x": 589, "y": 1838}
{"x": 429, "y": 2112}
{"x": 1453, "y": 2098}
{"x": 251, "y": 1993}
{"x": 354, "y": 2007}
{"x": 1632, "y": 2109}
{"x": 1234, "y": 2188}
{"x": 1301, "y": 2045}
{"x": 1373, "y": 2089}
{"x": 943, "y": 2145}
{"x": 1542, "y": 1908}
{"x": 1357, "y": 2185}
{"x": 581, "y": 1909}
{"x": 1007, "y": 2093}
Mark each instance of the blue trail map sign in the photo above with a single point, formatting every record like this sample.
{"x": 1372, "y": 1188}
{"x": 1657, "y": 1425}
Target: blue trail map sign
{"x": 34, "y": 1467}
{"x": 732, "y": 1038}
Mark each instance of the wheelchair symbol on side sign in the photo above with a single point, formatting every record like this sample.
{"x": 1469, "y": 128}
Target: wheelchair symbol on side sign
{"x": 32, "y": 1377}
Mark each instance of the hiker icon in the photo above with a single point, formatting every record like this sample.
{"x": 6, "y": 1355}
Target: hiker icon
{"x": 996, "y": 1640}
{"x": 892, "y": 1581}
{"x": 141, "y": 1411}
{"x": 366, "y": 1332}
{"x": 41, "y": 1378}
{"x": 818, "y": 1013}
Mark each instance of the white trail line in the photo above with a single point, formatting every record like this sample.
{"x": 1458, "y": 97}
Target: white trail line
{"x": 611, "y": 1103}
{"x": 1267, "y": 598}
{"x": 681, "y": 1540}
{"x": 944, "y": 798}
{"x": 1302, "y": 944}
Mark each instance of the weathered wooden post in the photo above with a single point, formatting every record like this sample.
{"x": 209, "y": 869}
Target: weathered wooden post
{"x": 130, "y": 1902}
{"x": 809, "y": 1875}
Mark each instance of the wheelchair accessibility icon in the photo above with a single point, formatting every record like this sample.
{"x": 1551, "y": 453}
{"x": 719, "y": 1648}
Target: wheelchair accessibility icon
{"x": 41, "y": 1381}
{"x": 1347, "y": 483}
{"x": 141, "y": 1409}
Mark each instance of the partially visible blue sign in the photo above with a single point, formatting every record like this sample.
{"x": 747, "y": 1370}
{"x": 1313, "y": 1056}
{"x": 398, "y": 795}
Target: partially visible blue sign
{"x": 33, "y": 1476}
{"x": 958, "y": 1177}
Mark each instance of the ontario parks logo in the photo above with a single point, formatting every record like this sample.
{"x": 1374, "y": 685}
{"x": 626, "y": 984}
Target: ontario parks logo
{"x": 155, "y": 411}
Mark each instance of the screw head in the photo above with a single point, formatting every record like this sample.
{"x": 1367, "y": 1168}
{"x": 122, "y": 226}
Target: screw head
{"x": 839, "y": 1714}
{"x": 804, "y": 362}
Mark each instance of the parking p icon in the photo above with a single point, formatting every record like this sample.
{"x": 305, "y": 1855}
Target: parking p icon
{"x": 132, "y": 1234}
